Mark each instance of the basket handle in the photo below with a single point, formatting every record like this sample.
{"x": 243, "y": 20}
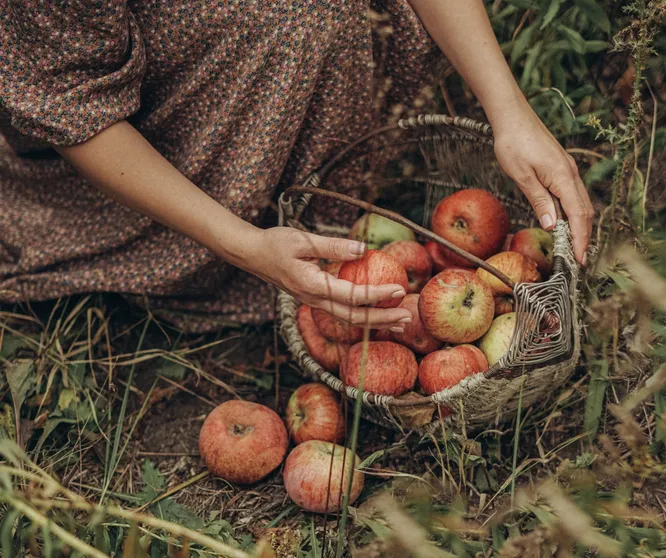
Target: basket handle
{"x": 407, "y": 223}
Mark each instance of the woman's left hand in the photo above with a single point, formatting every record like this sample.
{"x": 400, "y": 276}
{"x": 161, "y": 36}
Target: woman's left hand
{"x": 532, "y": 157}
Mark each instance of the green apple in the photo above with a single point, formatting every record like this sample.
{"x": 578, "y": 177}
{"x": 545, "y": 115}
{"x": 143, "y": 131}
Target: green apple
{"x": 377, "y": 231}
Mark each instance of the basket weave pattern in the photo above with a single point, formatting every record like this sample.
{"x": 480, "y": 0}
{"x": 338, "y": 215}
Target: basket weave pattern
{"x": 546, "y": 343}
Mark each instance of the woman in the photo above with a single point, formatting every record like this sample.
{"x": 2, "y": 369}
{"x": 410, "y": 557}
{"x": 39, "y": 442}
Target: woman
{"x": 193, "y": 114}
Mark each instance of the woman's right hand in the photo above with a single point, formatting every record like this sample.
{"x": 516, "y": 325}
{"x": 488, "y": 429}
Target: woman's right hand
{"x": 287, "y": 258}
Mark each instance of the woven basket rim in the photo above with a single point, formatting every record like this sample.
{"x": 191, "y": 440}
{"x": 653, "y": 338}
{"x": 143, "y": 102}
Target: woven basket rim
{"x": 288, "y": 305}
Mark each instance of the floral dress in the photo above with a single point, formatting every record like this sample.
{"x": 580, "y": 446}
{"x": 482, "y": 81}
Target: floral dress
{"x": 243, "y": 97}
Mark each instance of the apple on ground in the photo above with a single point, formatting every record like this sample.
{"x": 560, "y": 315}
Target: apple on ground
{"x": 314, "y": 413}
{"x": 536, "y": 244}
{"x": 515, "y": 266}
{"x": 439, "y": 262}
{"x": 334, "y": 329}
{"x": 504, "y": 304}
{"x": 326, "y": 352}
{"x": 390, "y": 369}
{"x": 416, "y": 261}
{"x": 376, "y": 268}
{"x": 415, "y": 336}
{"x": 474, "y": 220}
{"x": 316, "y": 476}
{"x": 456, "y": 306}
{"x": 496, "y": 342}
{"x": 242, "y": 442}
{"x": 446, "y": 368}
{"x": 377, "y": 231}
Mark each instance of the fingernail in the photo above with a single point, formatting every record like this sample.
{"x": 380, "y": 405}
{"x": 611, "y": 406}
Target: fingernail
{"x": 398, "y": 329}
{"x": 356, "y": 248}
{"x": 405, "y": 321}
{"x": 546, "y": 221}
{"x": 399, "y": 294}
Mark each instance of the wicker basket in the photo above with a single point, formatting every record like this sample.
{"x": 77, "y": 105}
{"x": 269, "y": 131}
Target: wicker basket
{"x": 457, "y": 153}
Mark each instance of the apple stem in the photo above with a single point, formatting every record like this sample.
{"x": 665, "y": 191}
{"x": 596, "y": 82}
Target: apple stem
{"x": 407, "y": 223}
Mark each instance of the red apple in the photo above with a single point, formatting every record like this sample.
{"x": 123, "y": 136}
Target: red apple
{"x": 314, "y": 413}
{"x": 439, "y": 262}
{"x": 327, "y": 353}
{"x": 316, "y": 475}
{"x": 415, "y": 336}
{"x": 536, "y": 244}
{"x": 242, "y": 442}
{"x": 390, "y": 369}
{"x": 416, "y": 261}
{"x": 495, "y": 343}
{"x": 515, "y": 266}
{"x": 334, "y": 329}
{"x": 504, "y": 304}
{"x": 376, "y": 268}
{"x": 332, "y": 267}
{"x": 456, "y": 306}
{"x": 377, "y": 231}
{"x": 381, "y": 335}
{"x": 474, "y": 220}
{"x": 446, "y": 368}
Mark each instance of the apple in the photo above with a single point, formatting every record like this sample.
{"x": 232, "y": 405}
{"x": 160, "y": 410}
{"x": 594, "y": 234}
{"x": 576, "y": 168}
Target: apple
{"x": 316, "y": 475}
{"x": 416, "y": 261}
{"x": 536, "y": 244}
{"x": 314, "y": 413}
{"x": 332, "y": 267}
{"x": 415, "y": 336}
{"x": 446, "y": 368}
{"x": 515, "y": 266}
{"x": 439, "y": 262}
{"x": 504, "y": 304}
{"x": 334, "y": 329}
{"x": 456, "y": 306}
{"x": 242, "y": 442}
{"x": 495, "y": 343}
{"x": 377, "y": 231}
{"x": 507, "y": 243}
{"x": 390, "y": 369}
{"x": 327, "y": 353}
{"x": 381, "y": 335}
{"x": 474, "y": 220}
{"x": 376, "y": 268}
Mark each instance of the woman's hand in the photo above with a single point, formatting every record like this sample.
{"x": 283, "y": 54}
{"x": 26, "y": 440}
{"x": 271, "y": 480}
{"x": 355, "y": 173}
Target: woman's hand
{"x": 530, "y": 155}
{"x": 287, "y": 258}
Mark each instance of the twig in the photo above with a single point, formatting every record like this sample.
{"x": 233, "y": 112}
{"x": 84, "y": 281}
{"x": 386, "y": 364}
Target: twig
{"x": 171, "y": 491}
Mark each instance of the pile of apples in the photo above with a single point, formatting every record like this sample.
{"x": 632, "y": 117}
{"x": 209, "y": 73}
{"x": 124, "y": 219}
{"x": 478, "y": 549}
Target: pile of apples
{"x": 243, "y": 442}
{"x": 462, "y": 318}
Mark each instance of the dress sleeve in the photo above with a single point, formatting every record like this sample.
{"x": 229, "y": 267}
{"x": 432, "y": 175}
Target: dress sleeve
{"x": 68, "y": 70}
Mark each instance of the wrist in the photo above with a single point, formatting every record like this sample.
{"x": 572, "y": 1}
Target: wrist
{"x": 509, "y": 113}
{"x": 237, "y": 242}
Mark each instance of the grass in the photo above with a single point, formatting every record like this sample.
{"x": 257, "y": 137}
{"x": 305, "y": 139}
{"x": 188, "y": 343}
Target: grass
{"x": 101, "y": 404}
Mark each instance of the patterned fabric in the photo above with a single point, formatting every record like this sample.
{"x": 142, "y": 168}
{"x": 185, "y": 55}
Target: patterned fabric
{"x": 244, "y": 97}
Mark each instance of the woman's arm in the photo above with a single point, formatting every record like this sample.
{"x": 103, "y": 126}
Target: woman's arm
{"x": 125, "y": 166}
{"x": 524, "y": 147}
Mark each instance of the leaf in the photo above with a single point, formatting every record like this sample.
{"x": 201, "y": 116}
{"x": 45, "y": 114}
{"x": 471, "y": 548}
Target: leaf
{"x": 66, "y": 397}
{"x": 153, "y": 482}
{"x": 573, "y": 38}
{"x": 10, "y": 344}
{"x": 21, "y": 381}
{"x": 594, "y": 404}
{"x": 636, "y": 196}
{"x": 601, "y": 170}
{"x": 551, "y": 12}
{"x": 595, "y": 14}
{"x": 524, "y": 4}
{"x": 49, "y": 426}
{"x": 522, "y": 43}
{"x": 172, "y": 370}
{"x": 7, "y": 423}
{"x": 417, "y": 416}
{"x": 596, "y": 46}
{"x": 530, "y": 63}
{"x": 660, "y": 412}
